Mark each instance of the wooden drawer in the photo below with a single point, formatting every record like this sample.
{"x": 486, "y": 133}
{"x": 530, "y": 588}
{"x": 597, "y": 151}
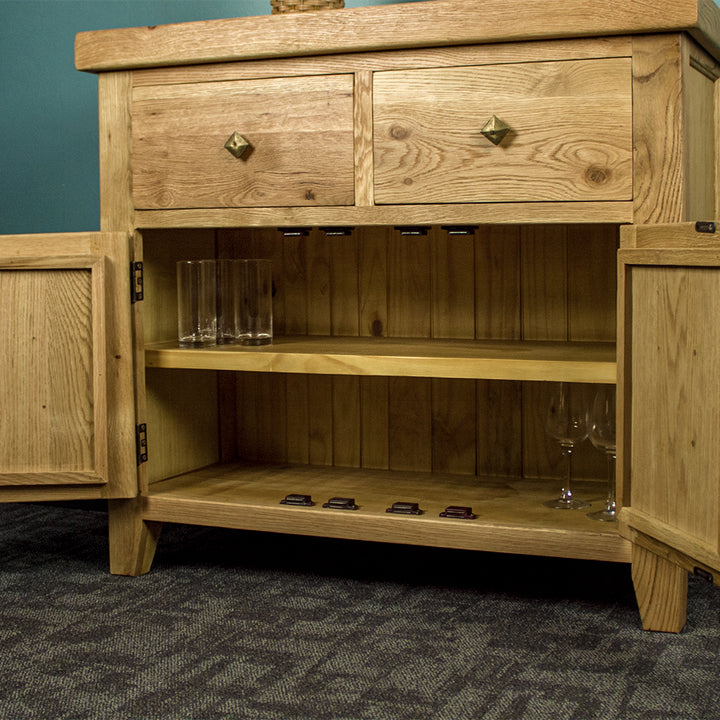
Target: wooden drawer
{"x": 300, "y": 131}
{"x": 570, "y": 137}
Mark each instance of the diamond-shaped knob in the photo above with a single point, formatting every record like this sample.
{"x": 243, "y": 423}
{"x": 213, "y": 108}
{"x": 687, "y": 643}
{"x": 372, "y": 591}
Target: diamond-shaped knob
{"x": 495, "y": 130}
{"x": 237, "y": 145}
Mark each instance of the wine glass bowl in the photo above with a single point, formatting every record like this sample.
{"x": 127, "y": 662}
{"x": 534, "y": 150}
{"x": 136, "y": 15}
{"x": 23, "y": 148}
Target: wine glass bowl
{"x": 566, "y": 422}
{"x": 601, "y": 424}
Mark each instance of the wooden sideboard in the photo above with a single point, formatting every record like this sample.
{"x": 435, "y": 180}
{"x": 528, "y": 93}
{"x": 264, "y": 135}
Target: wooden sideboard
{"x": 430, "y": 282}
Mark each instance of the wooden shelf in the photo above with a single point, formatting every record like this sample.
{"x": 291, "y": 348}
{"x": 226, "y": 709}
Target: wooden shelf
{"x": 510, "y": 515}
{"x": 475, "y": 359}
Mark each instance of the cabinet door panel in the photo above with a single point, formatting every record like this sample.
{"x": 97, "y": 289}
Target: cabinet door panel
{"x": 67, "y": 418}
{"x": 670, "y": 354}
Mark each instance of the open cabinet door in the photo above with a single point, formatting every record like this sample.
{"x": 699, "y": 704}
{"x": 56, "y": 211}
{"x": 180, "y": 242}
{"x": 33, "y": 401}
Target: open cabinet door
{"x": 67, "y": 417}
{"x": 669, "y": 444}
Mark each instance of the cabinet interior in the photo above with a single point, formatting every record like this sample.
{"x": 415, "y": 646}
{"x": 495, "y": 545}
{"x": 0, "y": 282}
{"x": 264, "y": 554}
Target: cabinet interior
{"x": 442, "y": 439}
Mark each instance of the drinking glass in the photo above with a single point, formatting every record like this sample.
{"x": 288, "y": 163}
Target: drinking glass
{"x": 228, "y": 300}
{"x": 255, "y": 320}
{"x": 601, "y": 430}
{"x": 566, "y": 422}
{"x": 197, "y": 318}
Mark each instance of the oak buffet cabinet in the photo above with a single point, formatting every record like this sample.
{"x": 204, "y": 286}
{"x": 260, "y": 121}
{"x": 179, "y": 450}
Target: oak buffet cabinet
{"x": 443, "y": 188}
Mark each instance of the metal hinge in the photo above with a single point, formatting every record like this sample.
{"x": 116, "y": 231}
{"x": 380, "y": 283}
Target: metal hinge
{"x": 136, "y": 282}
{"x": 141, "y": 443}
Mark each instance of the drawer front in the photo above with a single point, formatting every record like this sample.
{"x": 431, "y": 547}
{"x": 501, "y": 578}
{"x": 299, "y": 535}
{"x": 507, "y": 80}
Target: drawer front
{"x": 299, "y": 130}
{"x": 570, "y": 136}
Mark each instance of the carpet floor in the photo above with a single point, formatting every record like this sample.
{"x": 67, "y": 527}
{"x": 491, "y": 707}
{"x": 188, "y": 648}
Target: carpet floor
{"x": 232, "y": 624}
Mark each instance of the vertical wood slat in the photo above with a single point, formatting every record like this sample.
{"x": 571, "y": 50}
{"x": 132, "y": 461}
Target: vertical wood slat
{"x": 453, "y": 316}
{"x": 293, "y": 274}
{"x": 347, "y": 421}
{"x": 453, "y": 408}
{"x": 320, "y": 407}
{"x": 409, "y": 303}
{"x": 374, "y": 409}
{"x": 373, "y": 281}
{"x": 363, "y": 124}
{"x": 344, "y": 285}
{"x": 298, "y": 419}
{"x": 409, "y": 285}
{"x": 410, "y": 424}
{"x": 498, "y": 316}
{"x": 317, "y": 259}
{"x": 544, "y": 317}
{"x": 453, "y": 284}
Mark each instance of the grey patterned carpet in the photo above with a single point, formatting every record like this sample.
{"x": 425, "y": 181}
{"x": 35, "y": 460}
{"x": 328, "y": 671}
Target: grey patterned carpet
{"x": 241, "y": 625}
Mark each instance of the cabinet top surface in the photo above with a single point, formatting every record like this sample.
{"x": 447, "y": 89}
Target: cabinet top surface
{"x": 384, "y": 27}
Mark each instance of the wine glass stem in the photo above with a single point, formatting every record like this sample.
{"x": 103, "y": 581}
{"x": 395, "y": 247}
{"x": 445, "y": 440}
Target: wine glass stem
{"x": 566, "y": 492}
{"x": 610, "y": 502}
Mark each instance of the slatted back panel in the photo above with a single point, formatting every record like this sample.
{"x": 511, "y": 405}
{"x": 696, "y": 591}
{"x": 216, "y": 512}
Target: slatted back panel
{"x": 500, "y": 282}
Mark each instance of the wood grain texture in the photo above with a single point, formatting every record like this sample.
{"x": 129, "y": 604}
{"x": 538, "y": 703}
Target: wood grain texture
{"x": 507, "y": 213}
{"x": 133, "y": 540}
{"x": 511, "y": 517}
{"x": 570, "y": 137}
{"x": 659, "y": 153}
{"x": 370, "y": 62}
{"x": 667, "y": 533}
{"x": 115, "y": 131}
{"x": 661, "y": 591}
{"x": 674, "y": 452}
{"x": 300, "y": 132}
{"x": 351, "y": 278}
{"x": 481, "y": 359}
{"x": 437, "y": 23}
{"x": 68, "y": 362}
{"x": 362, "y": 123}
{"x": 700, "y": 89}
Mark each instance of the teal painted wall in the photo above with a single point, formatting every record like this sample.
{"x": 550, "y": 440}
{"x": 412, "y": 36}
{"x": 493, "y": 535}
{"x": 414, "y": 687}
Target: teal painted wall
{"x": 48, "y": 110}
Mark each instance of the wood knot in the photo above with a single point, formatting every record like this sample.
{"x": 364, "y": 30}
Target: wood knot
{"x": 398, "y": 132}
{"x": 597, "y": 175}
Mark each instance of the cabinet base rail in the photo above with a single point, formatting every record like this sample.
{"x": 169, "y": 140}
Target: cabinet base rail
{"x": 503, "y": 514}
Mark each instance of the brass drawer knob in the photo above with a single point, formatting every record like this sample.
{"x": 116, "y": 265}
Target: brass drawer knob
{"x": 237, "y": 145}
{"x": 495, "y": 130}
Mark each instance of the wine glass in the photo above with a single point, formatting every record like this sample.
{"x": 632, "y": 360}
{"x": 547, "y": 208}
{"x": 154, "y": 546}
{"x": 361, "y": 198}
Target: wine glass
{"x": 566, "y": 422}
{"x": 601, "y": 430}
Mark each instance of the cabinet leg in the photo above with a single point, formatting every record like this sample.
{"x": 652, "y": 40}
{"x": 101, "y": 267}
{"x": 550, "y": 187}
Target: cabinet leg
{"x": 132, "y": 539}
{"x": 661, "y": 590}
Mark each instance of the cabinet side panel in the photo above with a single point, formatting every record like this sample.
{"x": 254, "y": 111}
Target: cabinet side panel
{"x": 675, "y": 420}
{"x": 182, "y": 421}
{"x": 700, "y": 81}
